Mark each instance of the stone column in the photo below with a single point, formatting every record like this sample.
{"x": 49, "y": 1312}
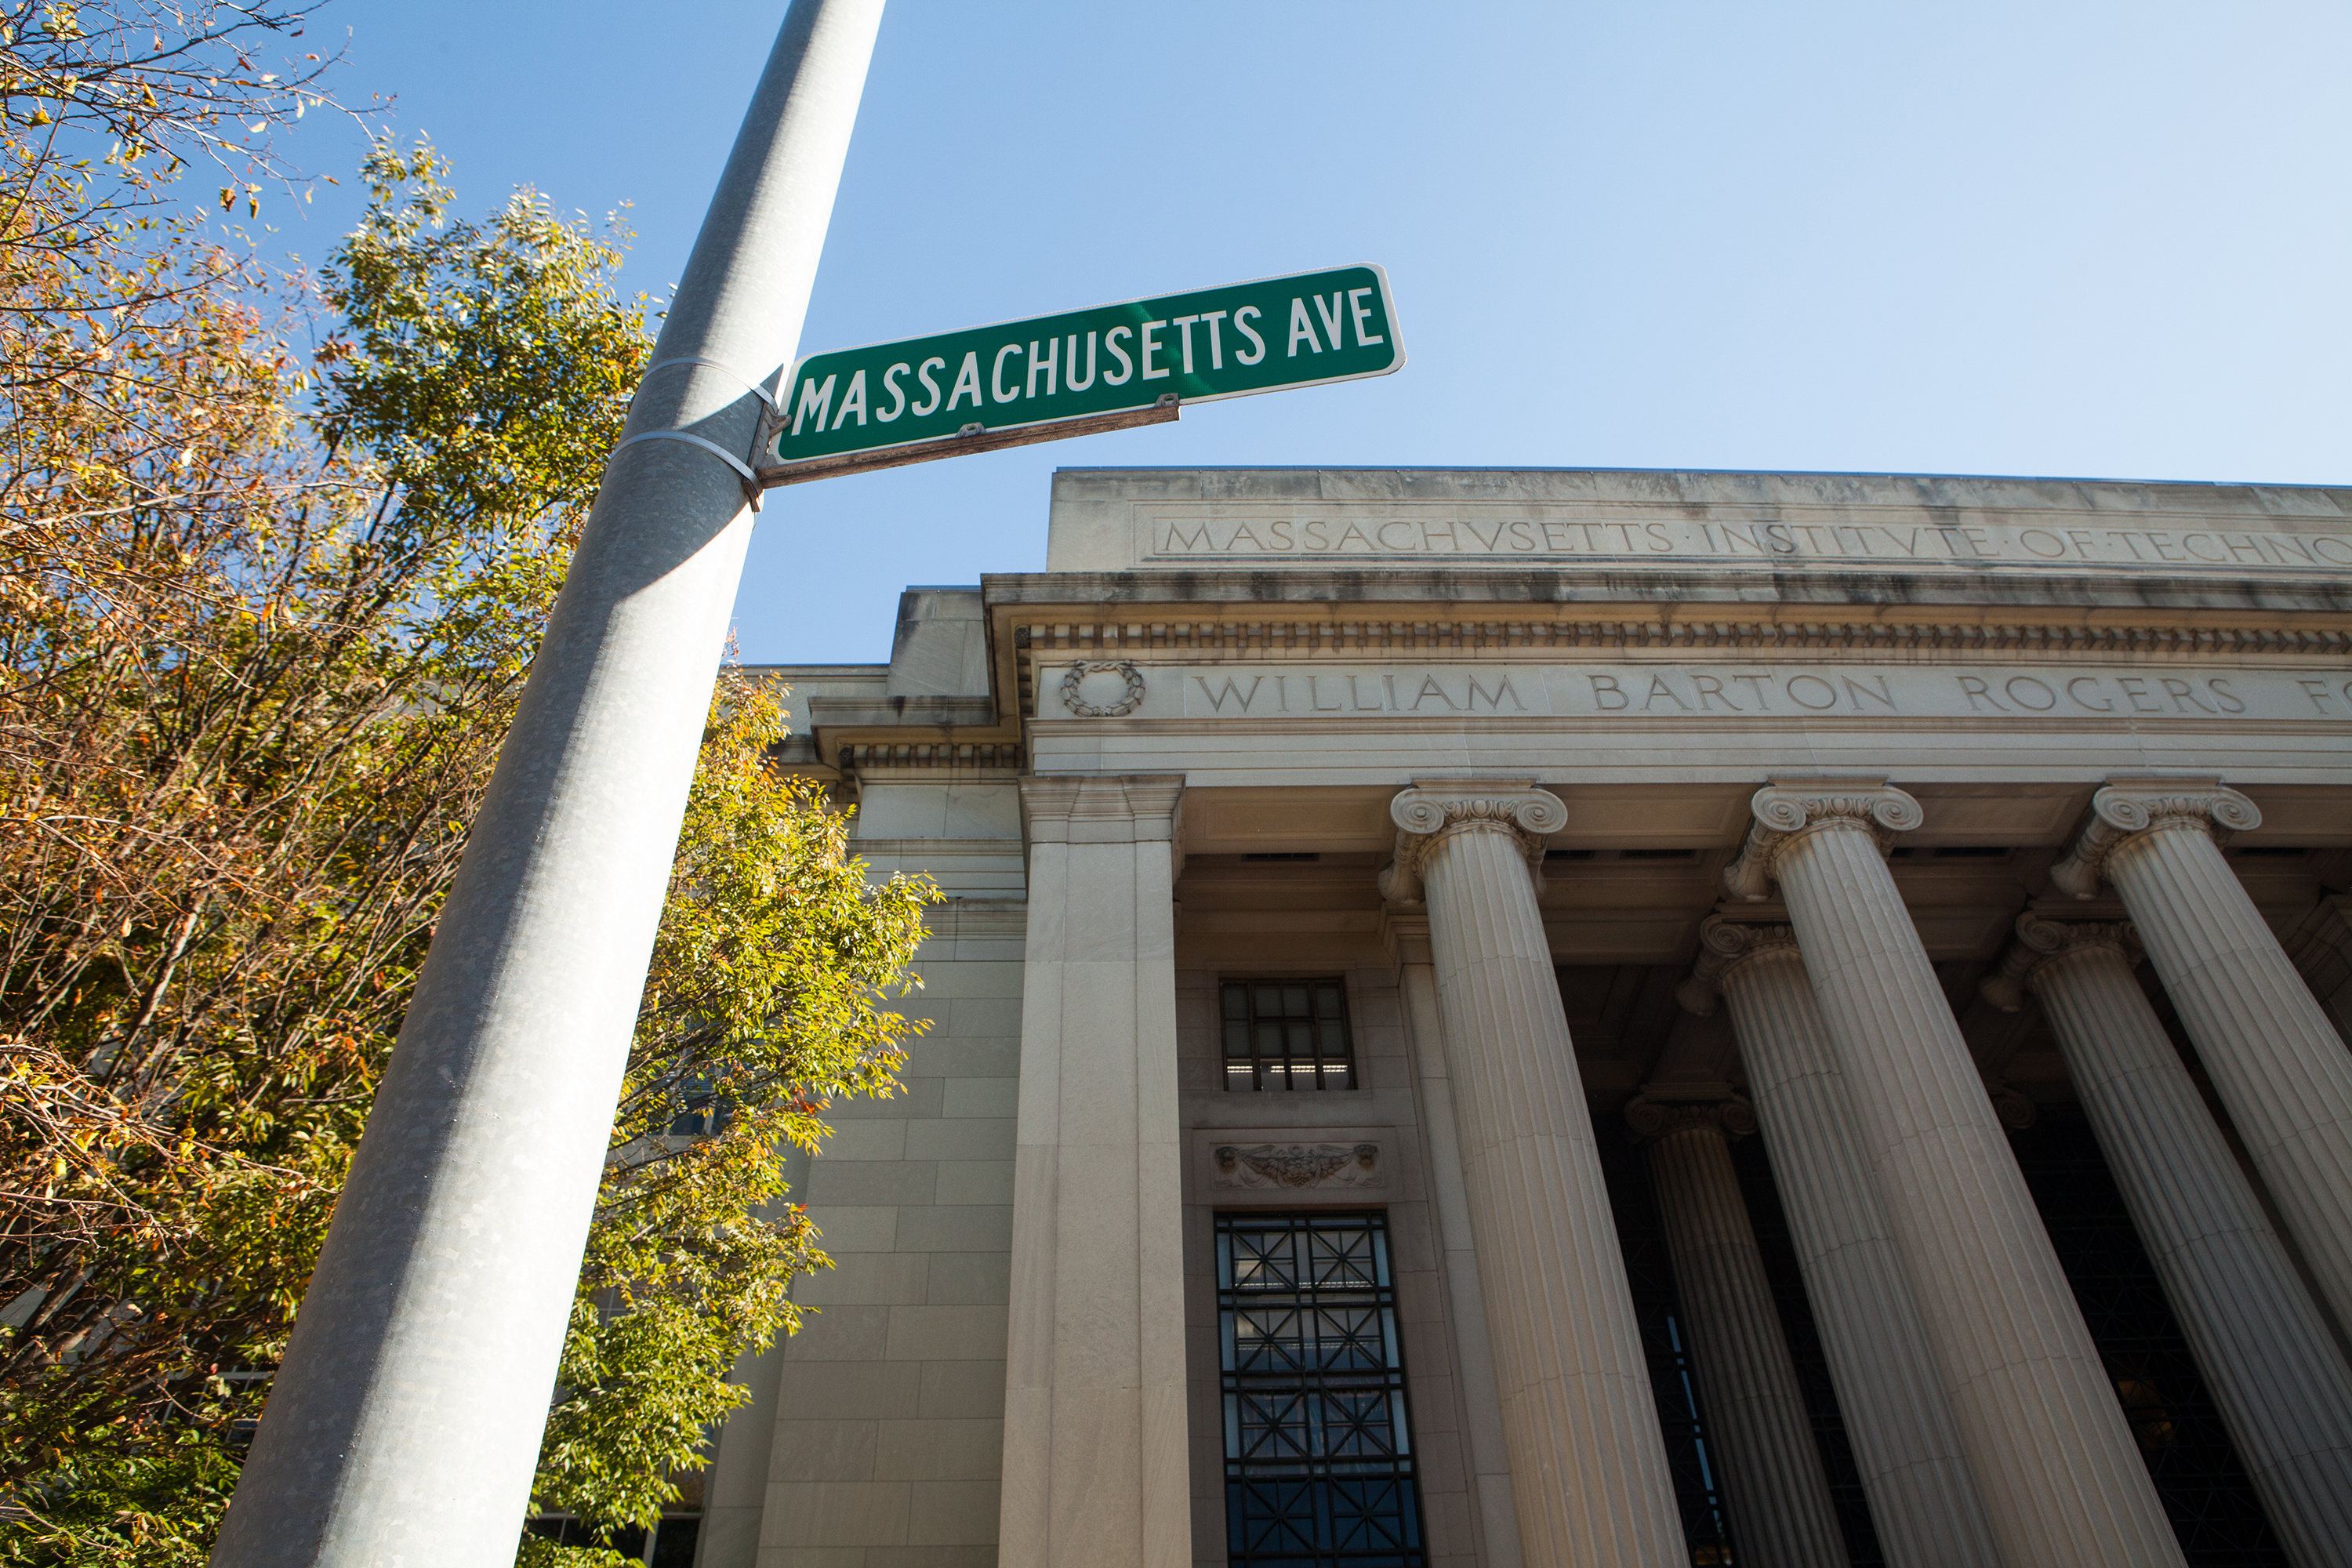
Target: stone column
{"x": 2271, "y": 1052}
{"x": 1922, "y": 1499}
{"x": 2063, "y": 1482}
{"x": 1095, "y": 1455}
{"x": 1589, "y": 1474}
{"x": 2282, "y": 1386}
{"x": 1780, "y": 1497}
{"x": 1473, "y": 1352}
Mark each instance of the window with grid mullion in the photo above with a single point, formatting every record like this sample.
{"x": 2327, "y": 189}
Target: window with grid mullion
{"x": 1319, "y": 1453}
{"x": 1286, "y": 1034}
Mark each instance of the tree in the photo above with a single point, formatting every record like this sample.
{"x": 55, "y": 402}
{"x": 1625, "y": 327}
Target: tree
{"x": 264, "y": 631}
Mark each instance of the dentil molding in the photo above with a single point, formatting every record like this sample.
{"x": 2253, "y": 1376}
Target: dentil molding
{"x": 1787, "y": 807}
{"x": 2127, "y": 806}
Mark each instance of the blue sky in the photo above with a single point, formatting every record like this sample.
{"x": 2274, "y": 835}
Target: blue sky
{"x": 2052, "y": 238}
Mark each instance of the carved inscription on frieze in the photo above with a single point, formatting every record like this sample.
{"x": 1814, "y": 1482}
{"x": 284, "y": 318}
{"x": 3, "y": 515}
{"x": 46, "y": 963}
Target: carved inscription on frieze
{"x": 1466, "y": 535}
{"x": 1731, "y": 691}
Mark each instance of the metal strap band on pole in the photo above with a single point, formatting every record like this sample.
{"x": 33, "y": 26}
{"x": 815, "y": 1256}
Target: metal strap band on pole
{"x": 757, "y": 389}
{"x": 750, "y": 480}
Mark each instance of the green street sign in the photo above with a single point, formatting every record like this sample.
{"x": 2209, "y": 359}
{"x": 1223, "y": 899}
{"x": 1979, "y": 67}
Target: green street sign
{"x": 1082, "y": 370}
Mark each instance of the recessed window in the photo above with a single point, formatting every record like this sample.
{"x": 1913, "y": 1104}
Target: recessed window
{"x": 1307, "y": 855}
{"x": 1287, "y": 1035}
{"x": 1657, "y": 854}
{"x": 1318, "y": 1448}
{"x": 1567, "y": 854}
{"x": 1971, "y": 852}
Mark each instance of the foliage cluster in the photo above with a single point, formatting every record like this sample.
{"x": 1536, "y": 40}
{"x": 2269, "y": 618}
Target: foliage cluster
{"x": 264, "y": 617}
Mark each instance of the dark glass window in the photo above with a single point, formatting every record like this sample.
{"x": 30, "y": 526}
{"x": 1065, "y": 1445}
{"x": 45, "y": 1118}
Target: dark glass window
{"x": 1318, "y": 1448}
{"x": 2198, "y": 1476}
{"x": 1288, "y": 1034}
{"x": 1707, "y": 1532}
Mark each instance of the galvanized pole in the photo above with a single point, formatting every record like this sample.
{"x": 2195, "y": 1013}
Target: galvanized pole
{"x": 405, "y": 1425}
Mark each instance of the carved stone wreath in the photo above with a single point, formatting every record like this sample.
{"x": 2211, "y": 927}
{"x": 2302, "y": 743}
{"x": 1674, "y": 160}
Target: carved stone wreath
{"x": 1119, "y": 710}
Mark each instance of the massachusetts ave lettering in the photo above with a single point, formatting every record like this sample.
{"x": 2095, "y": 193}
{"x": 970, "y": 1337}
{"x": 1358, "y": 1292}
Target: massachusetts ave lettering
{"x": 1465, "y": 534}
{"x": 1733, "y": 692}
{"x": 1228, "y": 341}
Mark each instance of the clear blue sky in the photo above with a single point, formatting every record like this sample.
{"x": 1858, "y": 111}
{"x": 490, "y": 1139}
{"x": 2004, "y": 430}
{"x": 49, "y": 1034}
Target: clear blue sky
{"x": 2105, "y": 239}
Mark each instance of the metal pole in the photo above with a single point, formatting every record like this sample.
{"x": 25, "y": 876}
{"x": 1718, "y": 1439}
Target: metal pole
{"x": 405, "y": 1425}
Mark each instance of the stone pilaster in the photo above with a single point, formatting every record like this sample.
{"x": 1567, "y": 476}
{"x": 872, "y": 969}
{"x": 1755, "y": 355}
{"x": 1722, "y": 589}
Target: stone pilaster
{"x": 1772, "y": 1476}
{"x": 1589, "y": 1474}
{"x": 2273, "y": 1055}
{"x": 2281, "y": 1383}
{"x": 1094, "y": 1460}
{"x": 1922, "y": 1499}
{"x": 1474, "y": 1352}
{"x": 2063, "y": 1481}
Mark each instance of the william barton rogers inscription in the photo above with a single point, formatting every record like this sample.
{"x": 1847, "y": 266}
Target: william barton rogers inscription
{"x": 2124, "y": 693}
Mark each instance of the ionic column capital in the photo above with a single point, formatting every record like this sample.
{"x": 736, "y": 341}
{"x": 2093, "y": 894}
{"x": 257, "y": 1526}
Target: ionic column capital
{"x": 2125, "y": 808}
{"x": 1725, "y": 944}
{"x": 1788, "y": 808}
{"x": 1661, "y": 1110}
{"x": 1435, "y": 810}
{"x": 2040, "y": 939}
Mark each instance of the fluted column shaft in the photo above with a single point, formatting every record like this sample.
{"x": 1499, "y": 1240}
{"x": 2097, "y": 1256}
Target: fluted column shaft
{"x": 1589, "y": 1472}
{"x": 1473, "y": 1352}
{"x": 2281, "y": 1383}
{"x": 1780, "y": 1510}
{"x": 2063, "y": 1482}
{"x": 2273, "y": 1056}
{"x": 1922, "y": 1499}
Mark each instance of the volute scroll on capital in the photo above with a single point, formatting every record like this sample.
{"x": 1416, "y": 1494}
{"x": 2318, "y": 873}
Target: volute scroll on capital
{"x": 1725, "y": 943}
{"x": 2040, "y": 939}
{"x": 1785, "y": 808}
{"x": 2125, "y": 808}
{"x": 1426, "y": 814}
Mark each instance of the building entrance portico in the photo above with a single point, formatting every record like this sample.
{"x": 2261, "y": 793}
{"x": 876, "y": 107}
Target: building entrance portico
{"x": 1353, "y": 876}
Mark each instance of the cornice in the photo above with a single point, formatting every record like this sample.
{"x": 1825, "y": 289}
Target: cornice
{"x": 1759, "y": 591}
{"x": 2129, "y": 806}
{"x": 1115, "y": 633}
{"x": 869, "y": 756}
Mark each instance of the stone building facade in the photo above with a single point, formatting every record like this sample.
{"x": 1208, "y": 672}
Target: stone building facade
{"x": 1575, "y": 1017}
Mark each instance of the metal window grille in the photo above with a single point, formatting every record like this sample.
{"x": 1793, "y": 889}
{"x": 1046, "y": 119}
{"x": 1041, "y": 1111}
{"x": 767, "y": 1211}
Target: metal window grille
{"x": 1319, "y": 1449}
{"x": 1288, "y": 1034}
